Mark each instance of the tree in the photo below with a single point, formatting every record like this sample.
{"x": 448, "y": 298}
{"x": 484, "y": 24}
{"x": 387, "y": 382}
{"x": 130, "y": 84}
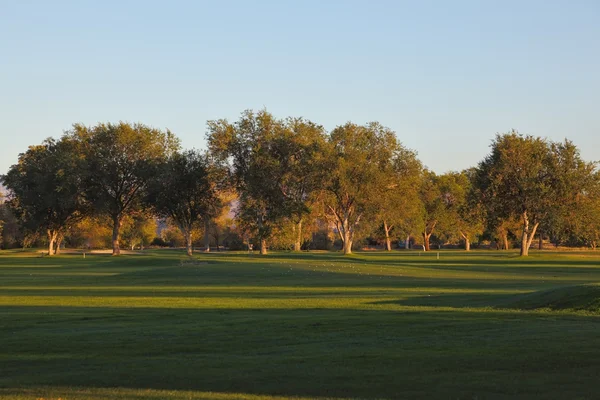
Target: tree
{"x": 183, "y": 192}
{"x": 583, "y": 220}
{"x": 360, "y": 159}
{"x": 298, "y": 152}
{"x": 219, "y": 204}
{"x": 578, "y": 216}
{"x": 248, "y": 150}
{"x": 501, "y": 228}
{"x": 120, "y": 159}
{"x": 92, "y": 232}
{"x": 12, "y": 231}
{"x": 399, "y": 205}
{"x": 529, "y": 177}
{"x": 46, "y": 189}
{"x": 436, "y": 201}
{"x": 2, "y": 217}
{"x": 221, "y": 218}
{"x": 139, "y": 230}
{"x": 515, "y": 180}
{"x": 240, "y": 148}
{"x": 463, "y": 213}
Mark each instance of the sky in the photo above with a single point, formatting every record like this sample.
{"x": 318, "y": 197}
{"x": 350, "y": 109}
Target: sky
{"x": 446, "y": 76}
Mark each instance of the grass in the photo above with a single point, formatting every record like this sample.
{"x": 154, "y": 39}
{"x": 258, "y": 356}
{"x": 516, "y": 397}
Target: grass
{"x": 483, "y": 325}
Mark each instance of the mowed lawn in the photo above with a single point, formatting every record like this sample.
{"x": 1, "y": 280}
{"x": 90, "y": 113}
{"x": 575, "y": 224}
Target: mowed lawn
{"x": 483, "y": 325}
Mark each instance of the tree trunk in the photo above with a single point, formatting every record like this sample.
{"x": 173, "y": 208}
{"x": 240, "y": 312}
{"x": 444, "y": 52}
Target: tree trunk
{"x": 59, "y": 240}
{"x": 388, "y": 241}
{"x": 347, "y": 237}
{"x": 505, "y": 244}
{"x": 263, "y": 247}
{"x": 524, "y": 250}
{"x": 541, "y": 242}
{"x": 51, "y": 240}
{"x": 347, "y": 245}
{"x": 298, "y": 241}
{"x": 467, "y": 242}
{"x": 524, "y": 238}
{"x": 426, "y": 237}
{"x": 532, "y": 234}
{"x": 207, "y": 234}
{"x": 407, "y": 243}
{"x": 188, "y": 243}
{"x": 116, "y": 236}
{"x": 527, "y": 236}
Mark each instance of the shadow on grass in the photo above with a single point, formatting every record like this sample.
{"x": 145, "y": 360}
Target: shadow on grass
{"x": 315, "y": 352}
{"x": 140, "y": 280}
{"x": 462, "y": 300}
{"x": 574, "y": 299}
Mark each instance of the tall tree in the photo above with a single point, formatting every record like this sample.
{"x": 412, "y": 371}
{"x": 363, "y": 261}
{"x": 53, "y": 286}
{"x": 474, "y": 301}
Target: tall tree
{"x": 360, "y": 159}
{"x": 584, "y": 219}
{"x": 120, "y": 159}
{"x": 399, "y": 206}
{"x": 241, "y": 148}
{"x": 436, "y": 200}
{"x": 298, "y": 152}
{"x": 183, "y": 192}
{"x": 578, "y": 183}
{"x": 274, "y": 168}
{"x": 529, "y": 177}
{"x": 46, "y": 189}
{"x": 464, "y": 212}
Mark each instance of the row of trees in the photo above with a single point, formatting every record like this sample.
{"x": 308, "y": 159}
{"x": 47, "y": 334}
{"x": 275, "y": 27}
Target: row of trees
{"x": 286, "y": 178}
{"x": 109, "y": 171}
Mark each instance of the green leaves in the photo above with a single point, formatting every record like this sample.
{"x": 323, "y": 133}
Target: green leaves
{"x": 276, "y": 166}
{"x": 119, "y": 161}
{"x": 366, "y": 166}
{"x": 531, "y": 178}
{"x": 181, "y": 188}
{"x": 46, "y": 192}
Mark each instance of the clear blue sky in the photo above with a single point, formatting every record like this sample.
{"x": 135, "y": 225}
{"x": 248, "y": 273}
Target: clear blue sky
{"x": 445, "y": 75}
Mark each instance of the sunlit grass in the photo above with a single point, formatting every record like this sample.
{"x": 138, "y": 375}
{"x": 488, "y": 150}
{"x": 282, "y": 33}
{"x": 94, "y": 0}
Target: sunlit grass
{"x": 65, "y": 393}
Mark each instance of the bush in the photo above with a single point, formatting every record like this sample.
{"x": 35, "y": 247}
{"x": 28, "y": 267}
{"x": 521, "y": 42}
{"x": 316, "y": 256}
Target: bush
{"x": 233, "y": 241}
{"x": 321, "y": 241}
{"x": 159, "y": 242}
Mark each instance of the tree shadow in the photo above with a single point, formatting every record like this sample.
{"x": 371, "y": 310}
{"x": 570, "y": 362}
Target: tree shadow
{"x": 299, "y": 352}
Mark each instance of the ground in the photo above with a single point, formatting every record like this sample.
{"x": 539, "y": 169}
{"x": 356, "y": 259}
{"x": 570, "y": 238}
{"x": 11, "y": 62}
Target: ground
{"x": 479, "y": 325}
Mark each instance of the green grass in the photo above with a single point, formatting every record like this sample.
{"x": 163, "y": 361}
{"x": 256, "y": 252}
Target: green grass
{"x": 484, "y": 325}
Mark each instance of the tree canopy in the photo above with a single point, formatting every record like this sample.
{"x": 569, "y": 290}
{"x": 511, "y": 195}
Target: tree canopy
{"x": 530, "y": 178}
{"x": 282, "y": 182}
{"x": 181, "y": 190}
{"x": 46, "y": 189}
{"x": 119, "y": 160}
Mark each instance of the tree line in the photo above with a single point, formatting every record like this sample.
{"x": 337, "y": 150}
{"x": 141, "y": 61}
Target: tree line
{"x": 284, "y": 180}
